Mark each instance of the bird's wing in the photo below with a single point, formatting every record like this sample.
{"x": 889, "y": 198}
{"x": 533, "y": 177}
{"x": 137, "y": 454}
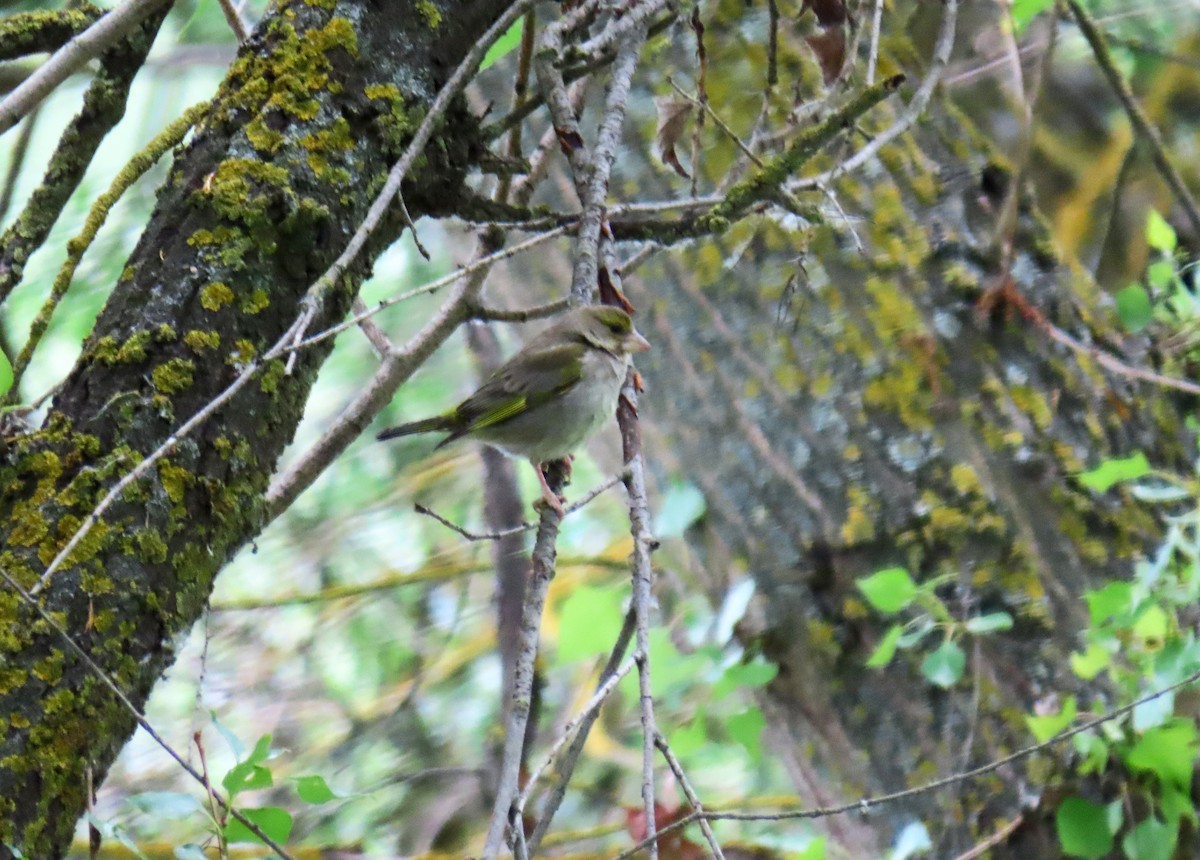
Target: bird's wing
{"x": 523, "y": 383}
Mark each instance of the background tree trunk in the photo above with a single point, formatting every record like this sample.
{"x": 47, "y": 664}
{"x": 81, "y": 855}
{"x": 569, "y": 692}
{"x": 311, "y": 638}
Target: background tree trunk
{"x": 847, "y": 408}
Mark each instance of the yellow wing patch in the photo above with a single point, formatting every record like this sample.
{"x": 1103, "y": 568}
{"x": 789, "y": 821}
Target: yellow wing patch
{"x": 514, "y": 407}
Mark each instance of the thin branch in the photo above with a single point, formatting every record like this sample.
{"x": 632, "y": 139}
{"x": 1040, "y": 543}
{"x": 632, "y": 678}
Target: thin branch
{"x": 1145, "y": 129}
{"x": 690, "y": 793}
{"x": 542, "y": 572}
{"x": 234, "y": 18}
{"x": 523, "y": 527}
{"x": 586, "y": 714}
{"x": 398, "y": 366}
{"x": 643, "y": 578}
{"x": 16, "y": 160}
{"x": 391, "y": 188}
{"x": 992, "y": 841}
{"x": 480, "y": 263}
{"x": 566, "y": 765}
{"x": 873, "y": 55}
{"x": 520, "y": 315}
{"x": 378, "y": 338}
{"x": 142, "y": 722}
{"x": 163, "y": 142}
{"x": 916, "y": 107}
{"x": 864, "y": 805}
{"x": 72, "y": 56}
{"x": 435, "y": 573}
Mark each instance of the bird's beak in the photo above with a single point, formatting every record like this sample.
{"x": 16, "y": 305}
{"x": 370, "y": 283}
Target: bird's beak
{"x": 637, "y": 343}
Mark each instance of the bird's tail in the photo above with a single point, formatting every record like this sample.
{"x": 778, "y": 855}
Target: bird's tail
{"x": 437, "y": 422}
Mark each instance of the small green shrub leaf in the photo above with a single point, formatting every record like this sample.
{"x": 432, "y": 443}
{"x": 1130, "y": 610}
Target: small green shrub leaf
{"x": 1112, "y": 472}
{"x": 888, "y": 590}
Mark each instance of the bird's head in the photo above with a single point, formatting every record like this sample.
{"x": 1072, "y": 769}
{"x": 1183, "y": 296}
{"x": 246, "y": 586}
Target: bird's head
{"x": 610, "y": 329}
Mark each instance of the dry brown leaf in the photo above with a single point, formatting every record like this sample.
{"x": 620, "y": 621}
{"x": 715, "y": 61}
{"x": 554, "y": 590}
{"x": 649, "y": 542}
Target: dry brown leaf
{"x": 673, "y": 115}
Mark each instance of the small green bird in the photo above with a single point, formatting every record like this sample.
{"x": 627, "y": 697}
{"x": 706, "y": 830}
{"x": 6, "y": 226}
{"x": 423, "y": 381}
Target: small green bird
{"x": 546, "y": 400}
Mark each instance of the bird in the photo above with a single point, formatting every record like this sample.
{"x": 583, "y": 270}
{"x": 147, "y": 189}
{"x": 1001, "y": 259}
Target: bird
{"x": 550, "y": 397}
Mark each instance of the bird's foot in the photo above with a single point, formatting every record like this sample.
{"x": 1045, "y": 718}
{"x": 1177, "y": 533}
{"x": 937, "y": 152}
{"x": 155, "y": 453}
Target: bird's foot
{"x": 549, "y": 498}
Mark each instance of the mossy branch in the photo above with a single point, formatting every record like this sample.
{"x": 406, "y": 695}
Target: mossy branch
{"x": 43, "y": 31}
{"x": 103, "y": 107}
{"x": 137, "y": 166}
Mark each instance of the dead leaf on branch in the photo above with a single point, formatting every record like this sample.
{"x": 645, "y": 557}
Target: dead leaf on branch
{"x": 673, "y": 115}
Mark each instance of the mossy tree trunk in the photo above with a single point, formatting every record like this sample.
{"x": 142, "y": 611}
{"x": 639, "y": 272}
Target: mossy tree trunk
{"x": 318, "y": 105}
{"x": 847, "y": 408}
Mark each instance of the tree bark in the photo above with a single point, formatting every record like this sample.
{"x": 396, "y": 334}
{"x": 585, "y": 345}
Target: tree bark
{"x": 319, "y": 103}
{"x": 846, "y": 409}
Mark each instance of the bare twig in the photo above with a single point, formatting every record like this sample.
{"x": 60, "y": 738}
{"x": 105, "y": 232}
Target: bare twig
{"x": 514, "y": 732}
{"x": 71, "y": 57}
{"x": 520, "y": 315}
{"x": 643, "y": 578}
{"x": 1146, "y": 130}
{"x": 234, "y": 18}
{"x": 873, "y": 55}
{"x": 914, "y": 110}
{"x": 523, "y": 527}
{"x": 690, "y": 793}
{"x": 399, "y": 365}
{"x": 142, "y": 722}
{"x": 137, "y": 166}
{"x": 391, "y": 188}
{"x": 593, "y": 706}
{"x": 381, "y": 343}
{"x": 865, "y": 804}
{"x": 995, "y": 839}
{"x": 480, "y": 263}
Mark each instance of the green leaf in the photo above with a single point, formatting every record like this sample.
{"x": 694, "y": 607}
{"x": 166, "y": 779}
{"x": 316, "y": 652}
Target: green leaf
{"x": 1093, "y": 750}
{"x": 1115, "y": 471}
{"x": 814, "y": 850}
{"x": 1024, "y": 11}
{"x": 888, "y": 590}
{"x": 1160, "y": 274}
{"x": 1151, "y": 840}
{"x": 235, "y": 743}
{"x": 1083, "y": 828}
{"x": 1178, "y": 804}
{"x": 886, "y": 649}
{"x": 945, "y": 665}
{"x": 314, "y": 789}
{"x": 276, "y": 823}
{"x": 1134, "y": 307}
{"x": 1112, "y": 599}
{"x": 6, "y": 374}
{"x": 250, "y": 774}
{"x": 746, "y": 728}
{"x": 589, "y": 622}
{"x": 682, "y": 505}
{"x": 165, "y": 804}
{"x": 506, "y": 43}
{"x": 1151, "y": 624}
{"x": 189, "y": 851}
{"x": 691, "y": 737}
{"x": 1091, "y": 662}
{"x": 990, "y": 623}
{"x": 1159, "y": 234}
{"x": 1046, "y": 727}
{"x": 1166, "y": 751}
{"x": 757, "y": 673}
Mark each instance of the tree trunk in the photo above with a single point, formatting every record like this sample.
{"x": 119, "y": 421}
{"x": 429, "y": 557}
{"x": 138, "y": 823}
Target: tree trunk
{"x": 856, "y": 408}
{"x": 318, "y": 105}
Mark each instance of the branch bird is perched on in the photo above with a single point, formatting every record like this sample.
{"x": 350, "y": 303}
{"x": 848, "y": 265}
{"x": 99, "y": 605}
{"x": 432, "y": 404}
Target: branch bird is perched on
{"x": 546, "y": 400}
